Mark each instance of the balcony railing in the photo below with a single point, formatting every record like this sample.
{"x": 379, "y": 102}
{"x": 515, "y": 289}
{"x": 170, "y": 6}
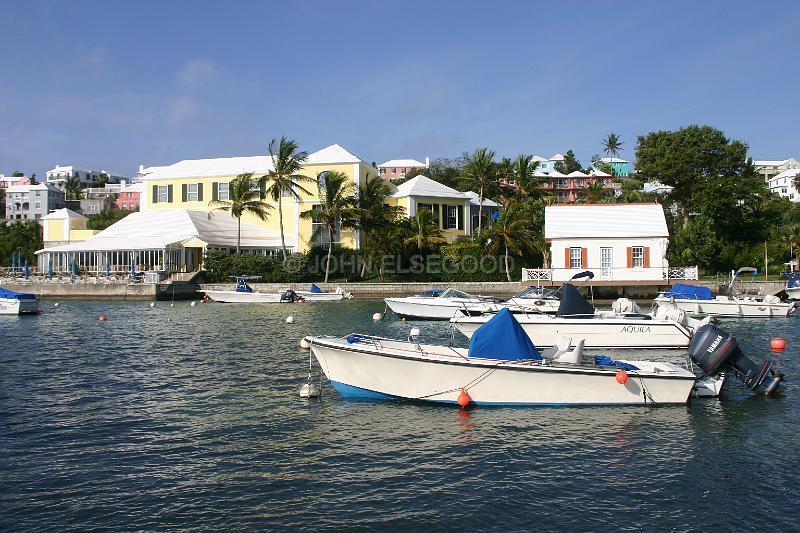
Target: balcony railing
{"x": 620, "y": 274}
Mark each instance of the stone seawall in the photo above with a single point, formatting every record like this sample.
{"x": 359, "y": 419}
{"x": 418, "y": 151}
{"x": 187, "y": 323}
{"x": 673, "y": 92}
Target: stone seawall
{"x": 87, "y": 291}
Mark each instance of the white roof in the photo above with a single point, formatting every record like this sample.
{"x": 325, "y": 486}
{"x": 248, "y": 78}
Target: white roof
{"x": 69, "y": 168}
{"x": 556, "y": 174}
{"x": 791, "y": 173}
{"x": 474, "y": 200}
{"x": 557, "y": 157}
{"x": 37, "y": 187}
{"x": 158, "y": 228}
{"x": 424, "y": 186}
{"x": 613, "y": 160}
{"x": 577, "y": 174}
{"x": 403, "y": 163}
{"x": 769, "y": 162}
{"x": 63, "y": 214}
{"x": 599, "y": 173}
{"x": 538, "y": 158}
{"x": 233, "y": 166}
{"x": 604, "y": 220}
{"x": 134, "y": 187}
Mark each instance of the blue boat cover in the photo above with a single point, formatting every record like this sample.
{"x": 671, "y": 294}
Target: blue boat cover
{"x": 11, "y": 295}
{"x": 604, "y": 360}
{"x": 681, "y": 291}
{"x": 794, "y": 281}
{"x": 241, "y": 286}
{"x": 573, "y": 304}
{"x": 504, "y": 339}
{"x": 315, "y": 289}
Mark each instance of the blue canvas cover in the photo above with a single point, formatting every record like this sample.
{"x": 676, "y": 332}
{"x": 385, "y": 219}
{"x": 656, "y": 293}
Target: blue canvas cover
{"x": 573, "y": 304}
{"x": 794, "y": 281}
{"x": 11, "y": 295}
{"x": 681, "y": 291}
{"x": 504, "y": 339}
{"x": 315, "y": 289}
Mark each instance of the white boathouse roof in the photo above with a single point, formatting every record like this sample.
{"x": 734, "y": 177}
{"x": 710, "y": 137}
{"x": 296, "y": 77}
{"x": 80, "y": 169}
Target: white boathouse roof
{"x": 604, "y": 221}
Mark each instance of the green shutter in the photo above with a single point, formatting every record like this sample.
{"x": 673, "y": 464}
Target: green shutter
{"x": 184, "y": 192}
{"x": 155, "y": 194}
{"x": 215, "y": 191}
{"x": 199, "y": 192}
{"x": 169, "y": 193}
{"x": 460, "y": 217}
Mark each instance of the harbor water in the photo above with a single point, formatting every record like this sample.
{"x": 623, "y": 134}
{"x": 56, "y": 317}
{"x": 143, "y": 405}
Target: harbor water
{"x": 188, "y": 418}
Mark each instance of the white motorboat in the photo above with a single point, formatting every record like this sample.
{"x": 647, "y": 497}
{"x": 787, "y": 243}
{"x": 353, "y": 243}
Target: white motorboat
{"x": 501, "y": 367}
{"x": 434, "y": 304}
{"x": 793, "y": 287}
{"x": 738, "y": 302}
{"x": 624, "y": 327}
{"x": 243, "y": 293}
{"x": 18, "y": 303}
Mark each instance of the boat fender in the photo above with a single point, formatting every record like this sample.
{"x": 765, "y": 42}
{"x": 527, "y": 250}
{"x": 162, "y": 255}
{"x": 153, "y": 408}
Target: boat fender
{"x": 622, "y": 377}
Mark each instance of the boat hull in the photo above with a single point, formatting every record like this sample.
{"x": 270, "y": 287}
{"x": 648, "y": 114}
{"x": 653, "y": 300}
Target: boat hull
{"x": 429, "y": 308}
{"x": 14, "y": 306}
{"x": 544, "y": 331}
{"x": 428, "y": 373}
{"x": 793, "y": 293}
{"x": 244, "y": 297}
{"x": 321, "y": 296}
{"x": 725, "y": 307}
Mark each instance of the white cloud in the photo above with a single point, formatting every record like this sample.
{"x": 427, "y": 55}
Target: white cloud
{"x": 197, "y": 73}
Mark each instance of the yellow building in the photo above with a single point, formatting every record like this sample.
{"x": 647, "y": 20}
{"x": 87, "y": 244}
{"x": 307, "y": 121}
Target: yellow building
{"x": 64, "y": 226}
{"x": 192, "y": 184}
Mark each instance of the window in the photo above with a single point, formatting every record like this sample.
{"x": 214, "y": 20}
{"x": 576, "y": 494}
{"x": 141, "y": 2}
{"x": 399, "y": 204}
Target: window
{"x": 223, "y": 191}
{"x": 191, "y": 192}
{"x": 163, "y": 193}
{"x": 322, "y": 180}
{"x": 637, "y": 254}
{"x": 381, "y": 171}
{"x": 38, "y": 205}
{"x": 394, "y": 171}
{"x": 451, "y": 217}
{"x": 575, "y": 257}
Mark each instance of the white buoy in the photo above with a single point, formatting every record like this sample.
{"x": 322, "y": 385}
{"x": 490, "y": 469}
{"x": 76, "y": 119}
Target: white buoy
{"x": 172, "y": 305}
{"x": 309, "y": 390}
{"x": 290, "y": 319}
{"x": 152, "y": 304}
{"x": 55, "y": 304}
{"x": 193, "y": 304}
{"x": 304, "y": 344}
{"x": 377, "y": 316}
{"x": 414, "y": 332}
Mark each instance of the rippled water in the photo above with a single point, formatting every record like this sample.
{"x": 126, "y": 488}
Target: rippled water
{"x": 188, "y": 418}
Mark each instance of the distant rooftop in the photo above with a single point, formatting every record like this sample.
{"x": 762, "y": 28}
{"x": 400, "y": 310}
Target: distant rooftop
{"x": 403, "y": 163}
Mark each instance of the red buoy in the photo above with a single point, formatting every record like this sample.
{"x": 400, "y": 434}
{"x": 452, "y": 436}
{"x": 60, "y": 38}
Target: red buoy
{"x": 103, "y": 318}
{"x": 464, "y": 399}
{"x": 622, "y": 377}
{"x": 777, "y": 344}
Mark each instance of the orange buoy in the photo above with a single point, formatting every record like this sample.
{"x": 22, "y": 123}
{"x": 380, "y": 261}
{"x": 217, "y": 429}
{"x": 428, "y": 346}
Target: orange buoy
{"x": 622, "y": 377}
{"x": 103, "y": 318}
{"x": 464, "y": 399}
{"x": 777, "y": 344}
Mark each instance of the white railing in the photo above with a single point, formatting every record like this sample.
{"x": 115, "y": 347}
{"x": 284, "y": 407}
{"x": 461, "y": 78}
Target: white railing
{"x": 621, "y": 274}
{"x": 537, "y": 274}
{"x": 688, "y": 272}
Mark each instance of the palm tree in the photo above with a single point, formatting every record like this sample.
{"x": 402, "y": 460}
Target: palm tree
{"x": 372, "y": 214}
{"x": 523, "y": 169}
{"x": 388, "y": 241}
{"x": 425, "y": 233}
{"x": 509, "y": 232}
{"x": 612, "y": 145}
{"x": 243, "y": 199}
{"x": 335, "y": 208}
{"x": 72, "y": 187}
{"x": 285, "y": 179}
{"x": 481, "y": 173}
{"x": 594, "y": 193}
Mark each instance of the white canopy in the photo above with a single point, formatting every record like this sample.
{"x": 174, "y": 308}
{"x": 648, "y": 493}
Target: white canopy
{"x": 160, "y": 228}
{"x": 604, "y": 221}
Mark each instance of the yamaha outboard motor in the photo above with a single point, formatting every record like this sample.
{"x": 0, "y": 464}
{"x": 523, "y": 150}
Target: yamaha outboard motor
{"x": 290, "y": 296}
{"x": 714, "y": 349}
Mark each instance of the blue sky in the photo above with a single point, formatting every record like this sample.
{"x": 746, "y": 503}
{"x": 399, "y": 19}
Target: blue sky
{"x": 112, "y": 85}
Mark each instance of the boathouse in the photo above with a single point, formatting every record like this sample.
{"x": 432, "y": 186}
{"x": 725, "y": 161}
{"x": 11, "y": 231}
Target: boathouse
{"x": 618, "y": 242}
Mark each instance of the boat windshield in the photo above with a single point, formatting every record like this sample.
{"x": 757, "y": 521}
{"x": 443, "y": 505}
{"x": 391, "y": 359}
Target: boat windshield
{"x": 538, "y": 293}
{"x": 431, "y": 293}
{"x": 453, "y": 293}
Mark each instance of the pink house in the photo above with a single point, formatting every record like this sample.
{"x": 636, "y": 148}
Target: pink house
{"x": 395, "y": 169}
{"x": 129, "y": 196}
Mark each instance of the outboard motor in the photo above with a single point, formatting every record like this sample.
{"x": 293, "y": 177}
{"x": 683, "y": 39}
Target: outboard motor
{"x": 713, "y": 349}
{"x": 290, "y": 296}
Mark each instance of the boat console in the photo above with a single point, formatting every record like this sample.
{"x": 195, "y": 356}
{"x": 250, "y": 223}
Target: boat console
{"x": 714, "y": 350}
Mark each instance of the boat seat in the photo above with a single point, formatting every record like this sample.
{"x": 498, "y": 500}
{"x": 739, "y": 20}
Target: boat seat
{"x": 573, "y": 356}
{"x": 561, "y": 347}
